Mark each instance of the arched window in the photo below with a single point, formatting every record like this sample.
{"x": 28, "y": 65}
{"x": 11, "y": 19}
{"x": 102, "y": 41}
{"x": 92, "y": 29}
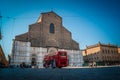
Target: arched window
{"x": 52, "y": 29}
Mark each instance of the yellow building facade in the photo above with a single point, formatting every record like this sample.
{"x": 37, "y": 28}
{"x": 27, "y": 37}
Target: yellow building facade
{"x": 102, "y": 54}
{"x": 3, "y": 60}
{"x": 119, "y": 50}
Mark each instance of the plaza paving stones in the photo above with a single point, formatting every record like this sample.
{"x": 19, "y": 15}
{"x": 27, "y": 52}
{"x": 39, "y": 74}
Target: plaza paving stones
{"x": 102, "y": 73}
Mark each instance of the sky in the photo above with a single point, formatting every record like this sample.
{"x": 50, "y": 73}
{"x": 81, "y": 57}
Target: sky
{"x": 89, "y": 21}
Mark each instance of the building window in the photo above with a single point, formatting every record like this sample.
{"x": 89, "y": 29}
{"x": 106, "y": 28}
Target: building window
{"x": 116, "y": 51}
{"x": 103, "y": 51}
{"x": 112, "y": 51}
{"x": 52, "y": 29}
{"x": 108, "y": 51}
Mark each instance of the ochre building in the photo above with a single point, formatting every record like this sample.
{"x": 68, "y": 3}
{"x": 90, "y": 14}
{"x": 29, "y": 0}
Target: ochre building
{"x": 105, "y": 54}
{"x": 119, "y": 50}
{"x": 3, "y": 60}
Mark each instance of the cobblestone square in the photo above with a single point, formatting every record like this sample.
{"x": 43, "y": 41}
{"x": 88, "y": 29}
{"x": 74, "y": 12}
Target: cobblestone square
{"x": 100, "y": 73}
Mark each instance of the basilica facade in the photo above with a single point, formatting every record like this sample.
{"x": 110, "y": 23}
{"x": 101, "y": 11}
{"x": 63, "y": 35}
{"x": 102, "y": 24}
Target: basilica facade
{"x": 46, "y": 36}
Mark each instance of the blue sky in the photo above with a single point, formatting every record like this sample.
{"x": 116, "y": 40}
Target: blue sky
{"x": 89, "y": 21}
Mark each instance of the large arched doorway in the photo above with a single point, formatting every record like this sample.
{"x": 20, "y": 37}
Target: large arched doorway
{"x": 33, "y": 60}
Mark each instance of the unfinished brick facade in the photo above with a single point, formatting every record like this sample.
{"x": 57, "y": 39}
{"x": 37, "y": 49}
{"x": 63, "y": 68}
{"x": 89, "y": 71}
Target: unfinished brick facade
{"x": 39, "y": 34}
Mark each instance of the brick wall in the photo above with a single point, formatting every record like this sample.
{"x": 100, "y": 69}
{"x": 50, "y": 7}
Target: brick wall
{"x": 39, "y": 33}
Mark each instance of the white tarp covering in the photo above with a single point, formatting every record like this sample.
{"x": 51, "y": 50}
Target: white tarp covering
{"x": 23, "y": 52}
